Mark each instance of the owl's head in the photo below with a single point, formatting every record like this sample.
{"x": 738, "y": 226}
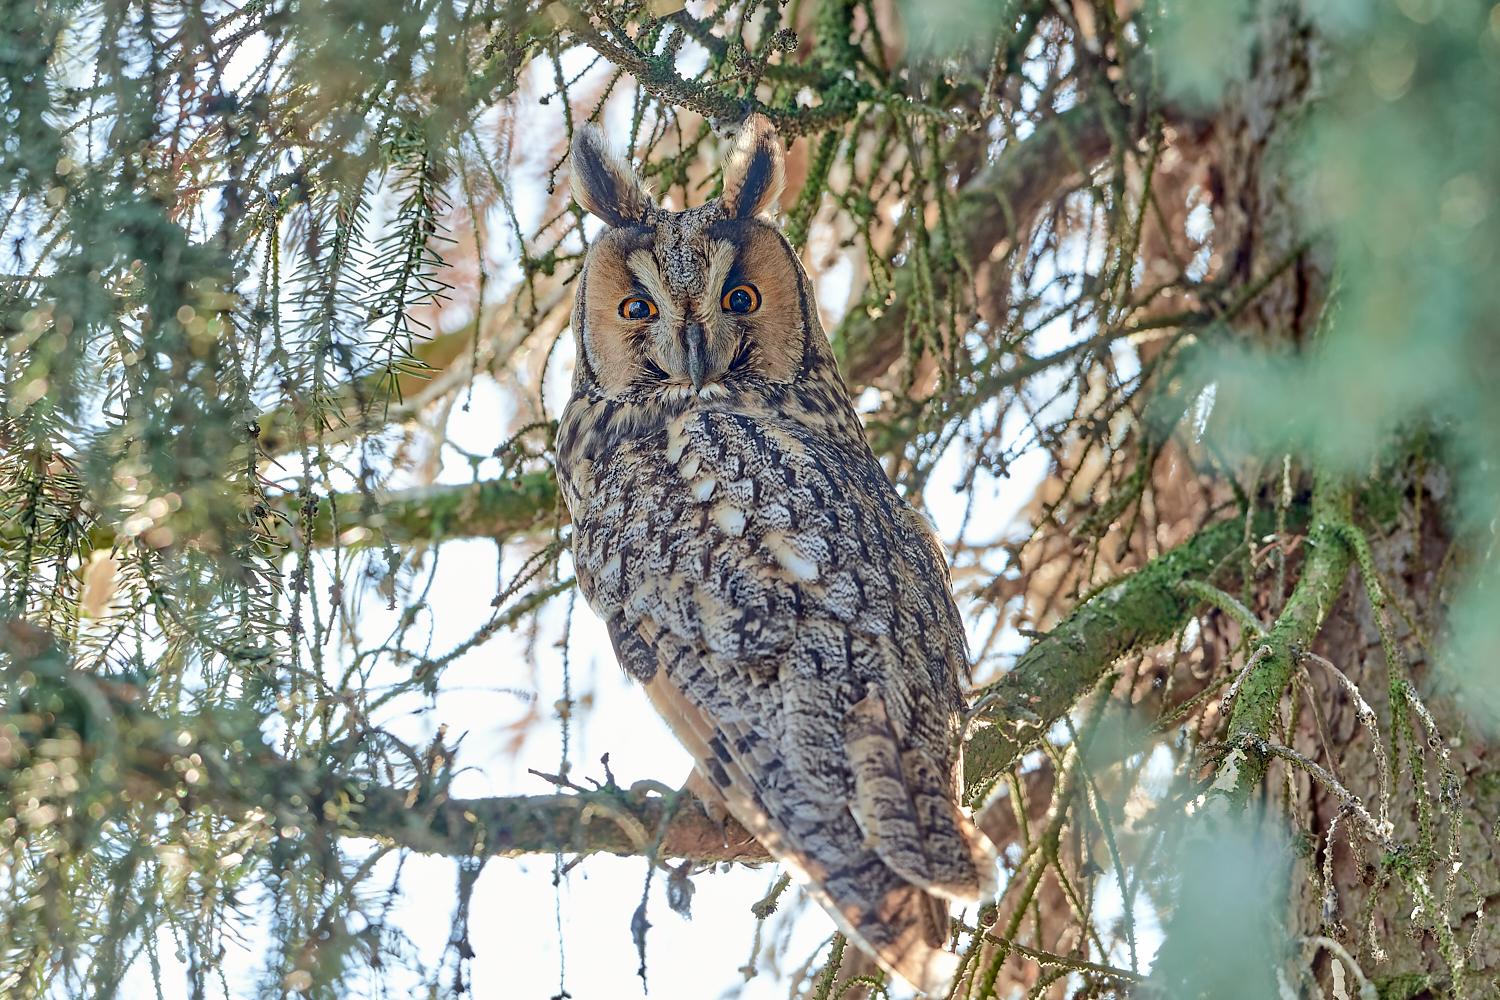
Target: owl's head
{"x": 692, "y": 303}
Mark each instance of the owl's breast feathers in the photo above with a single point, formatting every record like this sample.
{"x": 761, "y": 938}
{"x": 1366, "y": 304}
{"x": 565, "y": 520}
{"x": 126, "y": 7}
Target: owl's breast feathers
{"x": 790, "y": 616}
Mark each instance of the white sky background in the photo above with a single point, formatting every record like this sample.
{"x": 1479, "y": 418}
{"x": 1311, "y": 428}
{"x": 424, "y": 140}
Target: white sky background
{"x": 517, "y": 917}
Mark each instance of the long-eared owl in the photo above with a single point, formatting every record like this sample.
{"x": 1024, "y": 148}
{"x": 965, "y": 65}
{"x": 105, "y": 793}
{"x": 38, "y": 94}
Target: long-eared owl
{"x": 788, "y": 613}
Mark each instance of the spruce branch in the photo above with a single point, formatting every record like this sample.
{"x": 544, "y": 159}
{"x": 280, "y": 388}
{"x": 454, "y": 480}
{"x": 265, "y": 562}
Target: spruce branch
{"x": 218, "y": 760}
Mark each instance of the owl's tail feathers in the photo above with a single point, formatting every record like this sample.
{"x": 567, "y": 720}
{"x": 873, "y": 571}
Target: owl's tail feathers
{"x": 964, "y": 863}
{"x": 905, "y": 936}
{"x": 985, "y": 858}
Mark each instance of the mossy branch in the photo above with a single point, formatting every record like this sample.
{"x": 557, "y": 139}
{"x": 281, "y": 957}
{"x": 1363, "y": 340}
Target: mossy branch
{"x": 658, "y": 76}
{"x": 494, "y": 508}
{"x": 1138, "y": 611}
{"x": 1329, "y": 557}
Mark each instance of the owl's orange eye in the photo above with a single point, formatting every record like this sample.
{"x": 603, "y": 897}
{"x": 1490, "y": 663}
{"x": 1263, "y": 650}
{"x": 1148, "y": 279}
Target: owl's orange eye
{"x": 638, "y": 309}
{"x": 741, "y": 299}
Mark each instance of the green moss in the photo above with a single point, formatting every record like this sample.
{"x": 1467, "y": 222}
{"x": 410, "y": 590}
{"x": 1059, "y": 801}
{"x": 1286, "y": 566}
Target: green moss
{"x": 1380, "y": 500}
{"x": 1408, "y": 985}
{"x": 1323, "y": 574}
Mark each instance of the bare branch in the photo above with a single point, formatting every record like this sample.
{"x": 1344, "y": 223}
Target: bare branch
{"x": 580, "y": 823}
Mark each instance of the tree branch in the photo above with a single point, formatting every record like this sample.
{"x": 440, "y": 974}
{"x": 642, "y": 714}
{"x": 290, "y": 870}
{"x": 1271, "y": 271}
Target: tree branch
{"x": 1138, "y": 611}
{"x": 124, "y": 754}
{"x": 1329, "y": 557}
{"x": 494, "y": 508}
{"x": 1007, "y": 194}
{"x": 1141, "y": 610}
{"x": 658, "y": 76}
{"x": 581, "y": 823}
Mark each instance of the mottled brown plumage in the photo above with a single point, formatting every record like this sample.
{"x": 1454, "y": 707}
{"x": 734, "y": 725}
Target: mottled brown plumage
{"x": 788, "y": 613}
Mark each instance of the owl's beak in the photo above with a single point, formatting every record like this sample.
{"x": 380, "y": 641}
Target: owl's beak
{"x": 697, "y": 349}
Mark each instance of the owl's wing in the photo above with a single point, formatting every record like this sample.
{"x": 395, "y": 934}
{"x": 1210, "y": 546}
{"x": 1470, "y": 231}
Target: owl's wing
{"x": 903, "y": 802}
{"x": 898, "y": 923}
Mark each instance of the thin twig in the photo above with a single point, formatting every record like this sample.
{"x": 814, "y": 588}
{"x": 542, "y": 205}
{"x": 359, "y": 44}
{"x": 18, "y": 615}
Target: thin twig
{"x": 1312, "y": 767}
{"x": 1367, "y": 989}
{"x": 1076, "y": 964}
{"x": 1234, "y": 689}
{"x": 1366, "y": 716}
{"x": 1225, "y": 602}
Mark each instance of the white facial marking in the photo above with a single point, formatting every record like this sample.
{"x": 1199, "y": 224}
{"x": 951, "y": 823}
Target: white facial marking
{"x": 719, "y": 263}
{"x": 643, "y": 266}
{"x": 713, "y": 390}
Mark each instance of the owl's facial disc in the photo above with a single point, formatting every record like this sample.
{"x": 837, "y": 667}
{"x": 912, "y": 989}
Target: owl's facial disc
{"x": 688, "y": 326}
{"x": 692, "y": 304}
{"x": 692, "y": 352}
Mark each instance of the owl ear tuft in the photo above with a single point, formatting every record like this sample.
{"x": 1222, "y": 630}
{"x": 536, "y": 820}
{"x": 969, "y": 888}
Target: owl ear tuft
{"x": 603, "y": 181}
{"x": 755, "y": 172}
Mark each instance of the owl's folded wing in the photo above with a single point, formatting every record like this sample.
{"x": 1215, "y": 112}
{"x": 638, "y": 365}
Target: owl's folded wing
{"x": 874, "y": 903}
{"x": 903, "y": 803}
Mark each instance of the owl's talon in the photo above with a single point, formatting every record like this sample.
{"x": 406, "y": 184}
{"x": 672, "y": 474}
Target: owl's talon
{"x": 709, "y": 800}
{"x": 716, "y": 813}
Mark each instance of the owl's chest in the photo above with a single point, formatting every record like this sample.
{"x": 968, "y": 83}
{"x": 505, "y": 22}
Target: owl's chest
{"x": 733, "y": 531}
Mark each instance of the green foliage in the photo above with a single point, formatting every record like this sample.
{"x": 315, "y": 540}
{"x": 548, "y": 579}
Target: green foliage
{"x": 190, "y": 248}
{"x": 1223, "y": 935}
{"x": 1207, "y": 44}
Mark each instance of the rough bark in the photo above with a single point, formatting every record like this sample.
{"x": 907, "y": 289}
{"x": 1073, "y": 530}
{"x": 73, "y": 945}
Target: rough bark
{"x": 1412, "y": 554}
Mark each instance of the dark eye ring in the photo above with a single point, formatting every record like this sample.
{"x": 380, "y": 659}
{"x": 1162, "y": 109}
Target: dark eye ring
{"x": 637, "y": 308}
{"x": 741, "y": 299}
